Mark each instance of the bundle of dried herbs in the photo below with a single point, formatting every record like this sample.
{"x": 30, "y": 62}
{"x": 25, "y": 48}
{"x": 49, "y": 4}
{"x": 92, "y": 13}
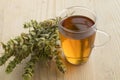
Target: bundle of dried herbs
{"x": 41, "y": 43}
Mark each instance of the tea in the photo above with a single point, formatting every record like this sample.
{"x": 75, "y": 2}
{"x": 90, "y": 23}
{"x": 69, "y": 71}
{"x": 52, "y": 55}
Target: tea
{"x": 77, "y": 48}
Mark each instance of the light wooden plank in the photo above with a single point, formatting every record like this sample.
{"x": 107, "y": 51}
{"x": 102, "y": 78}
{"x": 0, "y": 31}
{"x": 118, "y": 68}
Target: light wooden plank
{"x": 80, "y": 72}
{"x": 1, "y": 23}
{"x": 1, "y": 26}
{"x": 51, "y": 9}
{"x": 60, "y": 5}
{"x": 52, "y": 73}
{"x": 85, "y": 3}
{"x": 107, "y": 55}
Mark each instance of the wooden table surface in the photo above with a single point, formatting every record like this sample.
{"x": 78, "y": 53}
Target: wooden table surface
{"x": 104, "y": 62}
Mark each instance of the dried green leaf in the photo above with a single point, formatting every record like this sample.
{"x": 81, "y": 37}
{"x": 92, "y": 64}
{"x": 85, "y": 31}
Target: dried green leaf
{"x": 3, "y": 45}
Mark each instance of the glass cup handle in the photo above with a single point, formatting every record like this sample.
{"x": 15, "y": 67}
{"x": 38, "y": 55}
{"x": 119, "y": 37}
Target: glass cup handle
{"x": 102, "y": 37}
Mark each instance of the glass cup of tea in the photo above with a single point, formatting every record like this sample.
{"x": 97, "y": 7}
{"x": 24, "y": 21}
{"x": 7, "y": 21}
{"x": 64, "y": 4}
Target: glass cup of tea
{"x": 77, "y": 29}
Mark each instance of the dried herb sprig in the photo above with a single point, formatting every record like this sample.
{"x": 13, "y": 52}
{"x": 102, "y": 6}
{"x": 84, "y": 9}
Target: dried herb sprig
{"x": 29, "y": 68}
{"x": 41, "y": 42}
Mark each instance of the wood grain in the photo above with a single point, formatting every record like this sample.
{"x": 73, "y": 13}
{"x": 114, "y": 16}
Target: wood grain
{"x": 104, "y": 62}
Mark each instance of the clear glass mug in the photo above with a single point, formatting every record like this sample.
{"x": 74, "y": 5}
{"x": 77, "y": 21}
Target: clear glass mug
{"x": 78, "y": 42}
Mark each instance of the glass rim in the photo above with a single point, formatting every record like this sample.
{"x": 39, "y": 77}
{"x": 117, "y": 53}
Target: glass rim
{"x": 82, "y": 7}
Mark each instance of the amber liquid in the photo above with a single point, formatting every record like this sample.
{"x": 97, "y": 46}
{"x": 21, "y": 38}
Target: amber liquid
{"x": 77, "y": 51}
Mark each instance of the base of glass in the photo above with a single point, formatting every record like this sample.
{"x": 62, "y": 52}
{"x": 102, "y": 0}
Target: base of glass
{"x": 77, "y": 61}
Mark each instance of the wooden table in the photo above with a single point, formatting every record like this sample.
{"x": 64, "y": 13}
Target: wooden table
{"x": 104, "y": 62}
